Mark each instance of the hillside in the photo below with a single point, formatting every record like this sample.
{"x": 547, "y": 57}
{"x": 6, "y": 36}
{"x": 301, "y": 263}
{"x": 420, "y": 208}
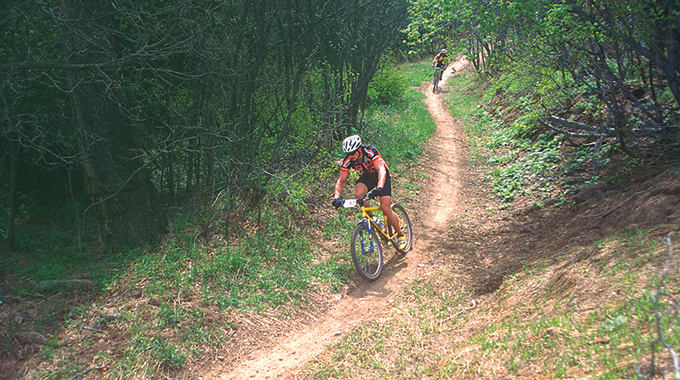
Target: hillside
{"x": 573, "y": 289}
{"x": 449, "y": 308}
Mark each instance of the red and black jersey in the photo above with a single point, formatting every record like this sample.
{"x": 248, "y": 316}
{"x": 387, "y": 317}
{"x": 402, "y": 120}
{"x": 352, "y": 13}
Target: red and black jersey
{"x": 370, "y": 156}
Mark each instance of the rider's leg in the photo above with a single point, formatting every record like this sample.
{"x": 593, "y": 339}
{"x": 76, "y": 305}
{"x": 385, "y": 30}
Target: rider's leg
{"x": 360, "y": 190}
{"x": 440, "y": 72}
{"x": 386, "y": 207}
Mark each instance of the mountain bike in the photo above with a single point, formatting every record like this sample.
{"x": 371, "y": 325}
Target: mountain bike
{"x": 437, "y": 77}
{"x": 371, "y": 233}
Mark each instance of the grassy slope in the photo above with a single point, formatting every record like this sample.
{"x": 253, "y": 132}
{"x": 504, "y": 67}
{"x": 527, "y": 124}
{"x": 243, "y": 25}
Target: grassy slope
{"x": 165, "y": 310}
{"x": 574, "y": 291}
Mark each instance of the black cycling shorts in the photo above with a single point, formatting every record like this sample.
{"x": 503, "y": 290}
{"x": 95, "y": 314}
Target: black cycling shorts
{"x": 371, "y": 181}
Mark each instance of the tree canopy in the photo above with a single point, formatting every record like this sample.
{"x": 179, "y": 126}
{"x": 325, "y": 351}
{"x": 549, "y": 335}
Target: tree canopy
{"x": 142, "y": 105}
{"x": 146, "y": 102}
{"x": 625, "y": 53}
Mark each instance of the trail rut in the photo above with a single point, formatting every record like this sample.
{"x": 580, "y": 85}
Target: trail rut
{"x": 441, "y": 201}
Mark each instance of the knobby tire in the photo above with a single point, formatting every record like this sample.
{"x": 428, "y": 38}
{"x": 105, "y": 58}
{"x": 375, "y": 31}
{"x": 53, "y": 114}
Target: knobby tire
{"x": 406, "y": 227}
{"x": 367, "y": 257}
{"x": 437, "y": 78}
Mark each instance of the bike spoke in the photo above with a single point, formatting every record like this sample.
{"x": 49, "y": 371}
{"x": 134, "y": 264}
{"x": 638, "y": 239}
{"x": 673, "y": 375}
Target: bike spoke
{"x": 366, "y": 252}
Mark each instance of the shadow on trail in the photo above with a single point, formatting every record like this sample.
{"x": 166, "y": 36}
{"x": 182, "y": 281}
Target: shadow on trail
{"x": 498, "y": 246}
{"x": 393, "y": 265}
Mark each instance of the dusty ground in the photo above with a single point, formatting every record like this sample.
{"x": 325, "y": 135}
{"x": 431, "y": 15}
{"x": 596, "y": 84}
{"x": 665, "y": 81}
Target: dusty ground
{"x": 440, "y": 202}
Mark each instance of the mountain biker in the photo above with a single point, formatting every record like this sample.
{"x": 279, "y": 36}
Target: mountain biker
{"x": 440, "y": 60}
{"x": 375, "y": 176}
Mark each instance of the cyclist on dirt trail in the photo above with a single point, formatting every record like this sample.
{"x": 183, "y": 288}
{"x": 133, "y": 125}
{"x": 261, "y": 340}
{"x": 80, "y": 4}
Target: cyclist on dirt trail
{"x": 441, "y": 60}
{"x": 375, "y": 176}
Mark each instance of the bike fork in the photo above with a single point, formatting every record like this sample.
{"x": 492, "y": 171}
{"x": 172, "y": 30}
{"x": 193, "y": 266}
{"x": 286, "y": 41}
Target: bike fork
{"x": 370, "y": 238}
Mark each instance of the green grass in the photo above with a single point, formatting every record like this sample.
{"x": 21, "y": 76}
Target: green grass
{"x": 528, "y": 325}
{"x": 174, "y": 302}
{"x": 416, "y": 73}
{"x": 401, "y": 129}
{"x": 465, "y": 103}
{"x": 269, "y": 267}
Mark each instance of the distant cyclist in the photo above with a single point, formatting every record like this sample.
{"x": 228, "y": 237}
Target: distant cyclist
{"x": 375, "y": 176}
{"x": 440, "y": 60}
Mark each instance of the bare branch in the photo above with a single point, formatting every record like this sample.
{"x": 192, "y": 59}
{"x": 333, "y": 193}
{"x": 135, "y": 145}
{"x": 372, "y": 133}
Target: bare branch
{"x": 599, "y": 131}
{"x": 145, "y": 51}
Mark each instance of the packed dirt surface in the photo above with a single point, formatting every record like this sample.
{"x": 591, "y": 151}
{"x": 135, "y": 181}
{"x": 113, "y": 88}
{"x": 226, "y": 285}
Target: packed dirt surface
{"x": 439, "y": 203}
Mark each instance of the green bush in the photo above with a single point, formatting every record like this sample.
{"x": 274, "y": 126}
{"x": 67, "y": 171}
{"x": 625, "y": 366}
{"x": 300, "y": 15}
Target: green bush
{"x": 387, "y": 87}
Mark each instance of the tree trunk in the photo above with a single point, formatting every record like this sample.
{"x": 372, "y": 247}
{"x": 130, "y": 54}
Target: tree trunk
{"x": 127, "y": 206}
{"x": 13, "y": 172}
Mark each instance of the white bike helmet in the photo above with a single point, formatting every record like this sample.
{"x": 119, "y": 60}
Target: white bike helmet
{"x": 443, "y": 51}
{"x": 351, "y": 144}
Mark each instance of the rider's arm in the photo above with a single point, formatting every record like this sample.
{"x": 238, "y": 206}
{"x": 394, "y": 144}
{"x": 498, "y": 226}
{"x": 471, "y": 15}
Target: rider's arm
{"x": 382, "y": 171}
{"x": 341, "y": 182}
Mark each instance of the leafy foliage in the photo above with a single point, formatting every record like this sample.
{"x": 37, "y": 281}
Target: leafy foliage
{"x": 228, "y": 100}
{"x": 387, "y": 87}
{"x": 614, "y": 58}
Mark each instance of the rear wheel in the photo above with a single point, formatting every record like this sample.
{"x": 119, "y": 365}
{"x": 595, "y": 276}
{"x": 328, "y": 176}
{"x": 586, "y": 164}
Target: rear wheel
{"x": 406, "y": 228}
{"x": 366, "y": 252}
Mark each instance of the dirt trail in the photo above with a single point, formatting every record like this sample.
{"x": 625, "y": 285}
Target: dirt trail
{"x": 440, "y": 203}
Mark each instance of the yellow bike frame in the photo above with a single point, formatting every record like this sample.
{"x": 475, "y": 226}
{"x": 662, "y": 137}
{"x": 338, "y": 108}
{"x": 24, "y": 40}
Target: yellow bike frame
{"x": 365, "y": 214}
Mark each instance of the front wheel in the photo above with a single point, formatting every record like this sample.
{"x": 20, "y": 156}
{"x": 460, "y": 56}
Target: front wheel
{"x": 366, "y": 252}
{"x": 406, "y": 228}
{"x": 437, "y": 79}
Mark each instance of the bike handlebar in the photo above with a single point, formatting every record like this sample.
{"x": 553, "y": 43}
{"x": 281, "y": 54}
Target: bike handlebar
{"x": 349, "y": 203}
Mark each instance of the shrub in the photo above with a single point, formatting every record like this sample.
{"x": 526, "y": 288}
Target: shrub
{"x": 387, "y": 87}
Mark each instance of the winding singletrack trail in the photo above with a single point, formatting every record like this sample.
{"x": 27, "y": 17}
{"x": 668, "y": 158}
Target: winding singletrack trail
{"x": 440, "y": 202}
